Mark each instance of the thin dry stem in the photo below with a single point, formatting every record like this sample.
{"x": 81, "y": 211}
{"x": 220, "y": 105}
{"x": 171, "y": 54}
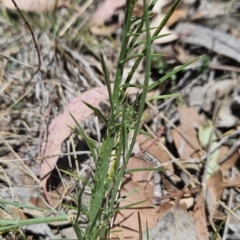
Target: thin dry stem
{"x": 33, "y": 36}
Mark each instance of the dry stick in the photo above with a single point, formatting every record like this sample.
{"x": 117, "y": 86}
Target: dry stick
{"x": 231, "y": 151}
{"x": 75, "y": 155}
{"x": 33, "y": 37}
{"x": 223, "y": 67}
{"x": 223, "y": 141}
{"x": 229, "y": 210}
{"x": 179, "y": 194}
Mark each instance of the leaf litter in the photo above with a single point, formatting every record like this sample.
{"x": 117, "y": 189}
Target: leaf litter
{"x": 35, "y": 116}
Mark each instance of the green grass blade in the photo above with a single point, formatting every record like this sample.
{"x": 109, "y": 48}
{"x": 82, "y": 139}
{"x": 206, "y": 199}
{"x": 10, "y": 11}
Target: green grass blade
{"x": 123, "y": 53}
{"x": 156, "y": 33}
{"x": 159, "y": 169}
{"x": 144, "y": 41}
{"x": 161, "y": 80}
{"x": 97, "y": 112}
{"x": 11, "y": 224}
{"x": 79, "y": 206}
{"x": 163, "y": 96}
{"x": 107, "y": 79}
{"x": 135, "y": 204}
{"x": 90, "y": 143}
{"x": 166, "y": 18}
{"x": 77, "y": 231}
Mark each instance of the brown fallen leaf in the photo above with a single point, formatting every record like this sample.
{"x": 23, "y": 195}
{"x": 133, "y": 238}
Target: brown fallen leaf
{"x": 178, "y": 15}
{"x": 59, "y": 128}
{"x": 142, "y": 177}
{"x": 199, "y": 215}
{"x": 189, "y": 146}
{"x": 102, "y": 30}
{"x": 214, "y": 188}
{"x": 126, "y": 221}
{"x": 154, "y": 150}
{"x": 182, "y": 55}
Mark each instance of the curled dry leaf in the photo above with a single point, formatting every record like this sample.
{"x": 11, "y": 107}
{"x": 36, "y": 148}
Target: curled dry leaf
{"x": 187, "y": 144}
{"x": 137, "y": 188}
{"x": 214, "y": 191}
{"x": 199, "y": 215}
{"x": 59, "y": 128}
{"x": 33, "y": 5}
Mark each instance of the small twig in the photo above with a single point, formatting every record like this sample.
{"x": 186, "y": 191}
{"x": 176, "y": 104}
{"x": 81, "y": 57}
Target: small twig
{"x": 229, "y": 210}
{"x": 230, "y": 152}
{"x": 224, "y": 140}
{"x": 33, "y": 37}
{"x": 178, "y": 194}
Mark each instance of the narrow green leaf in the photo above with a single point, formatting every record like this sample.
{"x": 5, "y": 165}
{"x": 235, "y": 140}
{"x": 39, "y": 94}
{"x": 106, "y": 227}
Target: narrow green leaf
{"x": 161, "y": 80}
{"x": 144, "y": 42}
{"x": 215, "y": 236}
{"x": 107, "y": 79}
{"x": 77, "y": 231}
{"x": 131, "y": 57}
{"x": 158, "y": 169}
{"x": 136, "y": 204}
{"x": 80, "y": 198}
{"x": 11, "y": 224}
{"x": 90, "y": 143}
{"x": 97, "y": 112}
{"x": 163, "y": 96}
{"x": 156, "y": 33}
